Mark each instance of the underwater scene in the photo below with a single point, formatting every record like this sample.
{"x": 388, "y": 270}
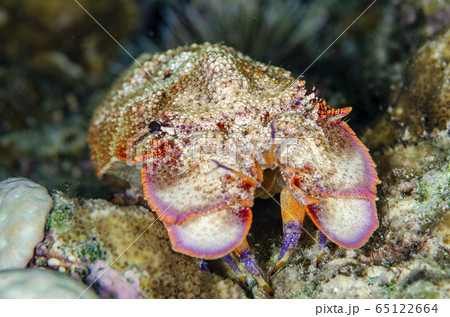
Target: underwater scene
{"x": 225, "y": 149}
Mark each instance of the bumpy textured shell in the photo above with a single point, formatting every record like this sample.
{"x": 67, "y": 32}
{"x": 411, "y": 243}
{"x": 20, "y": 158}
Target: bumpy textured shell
{"x": 211, "y": 89}
{"x": 183, "y": 122}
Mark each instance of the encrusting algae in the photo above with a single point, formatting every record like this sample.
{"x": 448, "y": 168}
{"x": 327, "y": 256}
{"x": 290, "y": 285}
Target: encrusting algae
{"x": 94, "y": 233}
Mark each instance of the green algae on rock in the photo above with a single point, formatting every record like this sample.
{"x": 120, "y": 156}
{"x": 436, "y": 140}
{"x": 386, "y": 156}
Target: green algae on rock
{"x": 415, "y": 205}
{"x": 85, "y": 236}
{"x": 23, "y": 208}
{"x": 41, "y": 284}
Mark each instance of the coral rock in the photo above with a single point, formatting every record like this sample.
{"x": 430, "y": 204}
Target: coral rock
{"x": 423, "y": 101}
{"x": 42, "y": 284}
{"x": 122, "y": 252}
{"x": 23, "y": 208}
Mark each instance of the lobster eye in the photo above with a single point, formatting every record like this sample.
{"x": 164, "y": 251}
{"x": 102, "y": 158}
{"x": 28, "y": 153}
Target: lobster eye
{"x": 154, "y": 126}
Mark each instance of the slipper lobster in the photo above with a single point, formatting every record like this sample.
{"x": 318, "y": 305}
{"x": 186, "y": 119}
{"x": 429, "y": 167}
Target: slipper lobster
{"x": 204, "y": 129}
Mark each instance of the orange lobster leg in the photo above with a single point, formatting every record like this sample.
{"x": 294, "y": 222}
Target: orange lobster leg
{"x": 292, "y": 214}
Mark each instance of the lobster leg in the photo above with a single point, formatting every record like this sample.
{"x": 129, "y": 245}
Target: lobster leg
{"x": 230, "y": 261}
{"x": 247, "y": 259}
{"x": 323, "y": 240}
{"x": 292, "y": 214}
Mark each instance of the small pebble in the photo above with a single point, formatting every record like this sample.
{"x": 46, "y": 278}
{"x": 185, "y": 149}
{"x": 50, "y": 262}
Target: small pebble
{"x": 53, "y": 262}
